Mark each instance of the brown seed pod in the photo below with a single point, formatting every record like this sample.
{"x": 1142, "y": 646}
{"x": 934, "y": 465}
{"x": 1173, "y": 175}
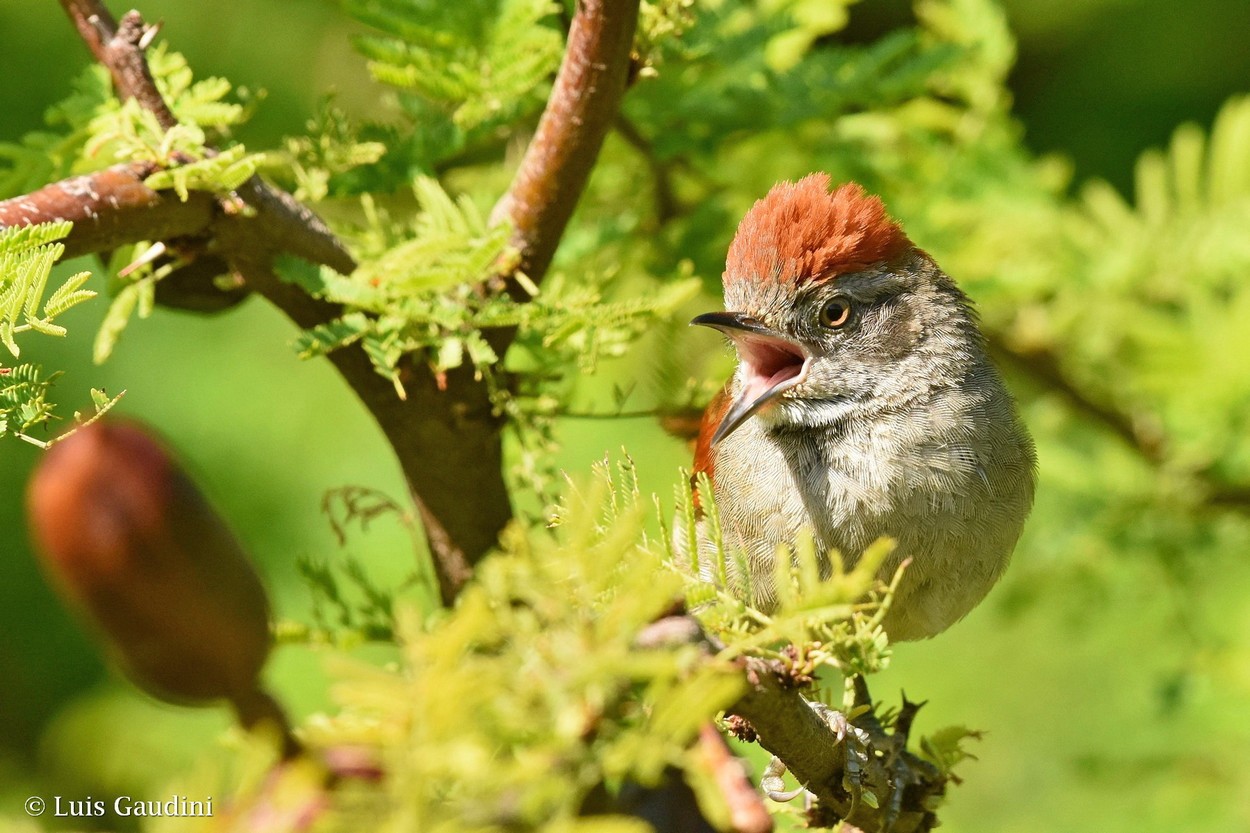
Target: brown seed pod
{"x": 129, "y": 540}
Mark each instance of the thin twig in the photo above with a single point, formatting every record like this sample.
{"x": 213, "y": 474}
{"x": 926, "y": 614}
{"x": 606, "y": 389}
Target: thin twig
{"x": 120, "y": 49}
{"x": 1142, "y": 435}
{"x": 666, "y": 204}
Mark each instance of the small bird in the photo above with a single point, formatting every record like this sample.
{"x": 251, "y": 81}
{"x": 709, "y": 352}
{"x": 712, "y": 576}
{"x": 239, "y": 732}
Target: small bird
{"x": 864, "y": 405}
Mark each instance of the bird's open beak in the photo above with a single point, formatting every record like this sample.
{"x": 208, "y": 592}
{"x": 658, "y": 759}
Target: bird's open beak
{"x": 773, "y": 363}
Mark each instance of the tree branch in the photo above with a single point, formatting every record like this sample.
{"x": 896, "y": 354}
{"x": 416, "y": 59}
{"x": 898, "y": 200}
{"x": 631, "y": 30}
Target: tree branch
{"x": 583, "y": 105}
{"x": 774, "y": 713}
{"x": 447, "y": 437}
{"x": 447, "y": 440}
{"x": 111, "y": 208}
{"x": 120, "y": 49}
{"x": 905, "y": 786}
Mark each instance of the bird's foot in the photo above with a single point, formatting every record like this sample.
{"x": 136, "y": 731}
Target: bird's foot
{"x": 856, "y": 745}
{"x": 773, "y": 783}
{"x": 881, "y": 786}
{"x": 853, "y": 741}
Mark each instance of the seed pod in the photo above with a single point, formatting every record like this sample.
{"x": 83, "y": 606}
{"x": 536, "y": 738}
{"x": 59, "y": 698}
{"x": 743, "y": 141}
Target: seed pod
{"x": 128, "y": 539}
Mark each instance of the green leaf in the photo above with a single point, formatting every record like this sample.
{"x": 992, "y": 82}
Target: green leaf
{"x": 26, "y": 258}
{"x": 219, "y": 174}
{"x": 68, "y": 295}
{"x": 332, "y": 335}
{"x": 115, "y": 321}
{"x": 481, "y": 61}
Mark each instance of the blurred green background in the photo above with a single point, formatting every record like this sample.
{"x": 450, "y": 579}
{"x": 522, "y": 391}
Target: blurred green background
{"x": 1089, "y": 715}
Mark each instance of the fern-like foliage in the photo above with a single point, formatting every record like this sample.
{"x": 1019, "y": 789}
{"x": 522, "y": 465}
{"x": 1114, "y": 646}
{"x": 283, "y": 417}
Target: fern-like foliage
{"x": 535, "y": 690}
{"x": 479, "y": 61}
{"x": 134, "y": 295}
{"x": 826, "y": 615}
{"x": 1181, "y": 249}
{"x": 532, "y": 691}
{"x": 768, "y": 74}
{"x": 24, "y": 399}
{"x": 43, "y": 156}
{"x": 26, "y": 305}
{"x": 95, "y": 130}
{"x": 91, "y": 130}
{"x": 26, "y": 258}
{"x": 128, "y": 132}
{"x": 661, "y": 24}
{"x": 421, "y": 293}
{"x": 328, "y": 160}
{"x": 1176, "y": 247}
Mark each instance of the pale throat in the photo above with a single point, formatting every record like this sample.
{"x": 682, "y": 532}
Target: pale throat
{"x": 792, "y": 410}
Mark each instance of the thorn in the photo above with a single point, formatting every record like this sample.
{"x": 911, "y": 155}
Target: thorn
{"x": 152, "y": 253}
{"x": 149, "y": 34}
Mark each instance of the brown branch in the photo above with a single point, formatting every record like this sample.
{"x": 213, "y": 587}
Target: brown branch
{"x": 460, "y": 492}
{"x": 774, "y": 713}
{"x": 111, "y": 208}
{"x": 583, "y": 104}
{"x": 120, "y": 49}
{"x": 95, "y": 25}
{"x": 447, "y": 437}
{"x": 1230, "y": 496}
{"x": 906, "y": 787}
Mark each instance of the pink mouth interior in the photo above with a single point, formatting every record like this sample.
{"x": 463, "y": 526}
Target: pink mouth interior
{"x": 771, "y": 364}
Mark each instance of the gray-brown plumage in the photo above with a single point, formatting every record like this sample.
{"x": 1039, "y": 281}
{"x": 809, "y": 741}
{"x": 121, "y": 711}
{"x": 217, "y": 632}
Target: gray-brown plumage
{"x": 864, "y": 405}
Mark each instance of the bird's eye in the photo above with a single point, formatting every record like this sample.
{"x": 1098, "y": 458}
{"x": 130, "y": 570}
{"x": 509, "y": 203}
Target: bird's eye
{"x": 835, "y": 313}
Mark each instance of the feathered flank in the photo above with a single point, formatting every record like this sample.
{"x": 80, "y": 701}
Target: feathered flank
{"x": 704, "y": 460}
{"x": 801, "y": 232}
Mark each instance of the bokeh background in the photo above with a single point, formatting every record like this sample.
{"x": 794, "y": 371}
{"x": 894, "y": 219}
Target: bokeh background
{"x": 1097, "y": 708}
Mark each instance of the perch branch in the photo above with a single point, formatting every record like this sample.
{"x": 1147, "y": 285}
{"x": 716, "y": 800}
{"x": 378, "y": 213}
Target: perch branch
{"x": 774, "y": 712}
{"x": 812, "y": 750}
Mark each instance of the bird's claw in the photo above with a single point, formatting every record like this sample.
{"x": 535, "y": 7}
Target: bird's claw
{"x": 877, "y": 770}
{"x": 855, "y": 742}
{"x": 773, "y": 782}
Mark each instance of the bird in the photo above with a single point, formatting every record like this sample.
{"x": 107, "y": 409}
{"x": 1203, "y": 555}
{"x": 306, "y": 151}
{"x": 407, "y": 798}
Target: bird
{"x": 864, "y": 405}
